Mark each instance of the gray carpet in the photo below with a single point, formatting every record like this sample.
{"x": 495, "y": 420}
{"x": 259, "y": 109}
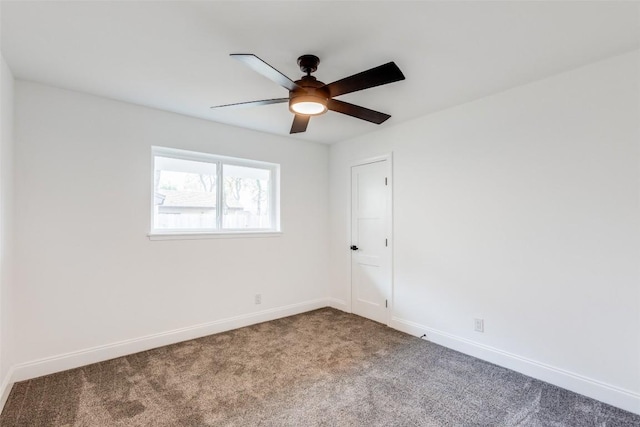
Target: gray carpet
{"x": 323, "y": 368}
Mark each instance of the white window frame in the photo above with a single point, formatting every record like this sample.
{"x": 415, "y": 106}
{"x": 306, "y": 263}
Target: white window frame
{"x": 219, "y": 232}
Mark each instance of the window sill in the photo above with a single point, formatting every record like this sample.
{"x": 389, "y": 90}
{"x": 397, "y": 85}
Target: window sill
{"x": 213, "y": 235}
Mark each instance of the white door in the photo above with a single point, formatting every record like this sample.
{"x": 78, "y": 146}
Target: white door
{"x": 370, "y": 240}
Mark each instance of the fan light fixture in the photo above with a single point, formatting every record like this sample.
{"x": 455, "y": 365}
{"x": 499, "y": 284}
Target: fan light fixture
{"x": 308, "y": 105}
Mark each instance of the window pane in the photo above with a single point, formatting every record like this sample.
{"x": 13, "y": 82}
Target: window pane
{"x": 247, "y": 197}
{"x": 185, "y": 194}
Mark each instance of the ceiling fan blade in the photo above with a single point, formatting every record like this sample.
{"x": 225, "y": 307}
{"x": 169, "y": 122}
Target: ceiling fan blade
{"x": 357, "y": 111}
{"x": 300, "y": 123}
{"x": 261, "y": 67}
{"x": 253, "y": 103}
{"x": 387, "y": 73}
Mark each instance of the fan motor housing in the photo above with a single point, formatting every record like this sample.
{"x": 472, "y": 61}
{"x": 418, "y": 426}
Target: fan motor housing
{"x": 312, "y": 91}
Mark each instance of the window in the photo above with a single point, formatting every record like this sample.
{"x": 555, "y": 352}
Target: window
{"x": 198, "y": 193}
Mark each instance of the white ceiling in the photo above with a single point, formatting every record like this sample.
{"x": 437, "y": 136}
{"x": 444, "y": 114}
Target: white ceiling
{"x": 174, "y": 55}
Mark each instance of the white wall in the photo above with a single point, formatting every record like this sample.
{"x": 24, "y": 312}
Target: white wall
{"x": 6, "y": 227}
{"x": 88, "y": 277}
{"x": 523, "y": 209}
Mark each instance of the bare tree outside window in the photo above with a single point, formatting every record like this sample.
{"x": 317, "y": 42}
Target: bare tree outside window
{"x": 246, "y": 197}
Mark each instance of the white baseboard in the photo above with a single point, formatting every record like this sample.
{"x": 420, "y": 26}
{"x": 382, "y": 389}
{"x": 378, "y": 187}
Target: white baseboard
{"x": 75, "y": 359}
{"x": 338, "y": 304}
{"x": 5, "y": 388}
{"x": 615, "y": 396}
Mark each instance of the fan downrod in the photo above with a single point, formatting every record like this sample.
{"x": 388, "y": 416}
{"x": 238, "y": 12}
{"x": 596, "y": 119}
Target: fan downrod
{"x": 308, "y": 63}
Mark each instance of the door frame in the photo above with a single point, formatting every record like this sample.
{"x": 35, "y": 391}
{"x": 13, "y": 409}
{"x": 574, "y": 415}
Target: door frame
{"x": 388, "y": 157}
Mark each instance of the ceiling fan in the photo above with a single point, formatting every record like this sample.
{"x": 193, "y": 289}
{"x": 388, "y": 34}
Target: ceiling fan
{"x": 311, "y": 97}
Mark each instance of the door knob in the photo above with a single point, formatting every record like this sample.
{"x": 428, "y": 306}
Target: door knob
{"x": 354, "y": 248}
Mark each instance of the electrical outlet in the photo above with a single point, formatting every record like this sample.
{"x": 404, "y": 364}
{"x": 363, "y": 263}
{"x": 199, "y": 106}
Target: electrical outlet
{"x": 258, "y": 299}
{"x": 478, "y": 325}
